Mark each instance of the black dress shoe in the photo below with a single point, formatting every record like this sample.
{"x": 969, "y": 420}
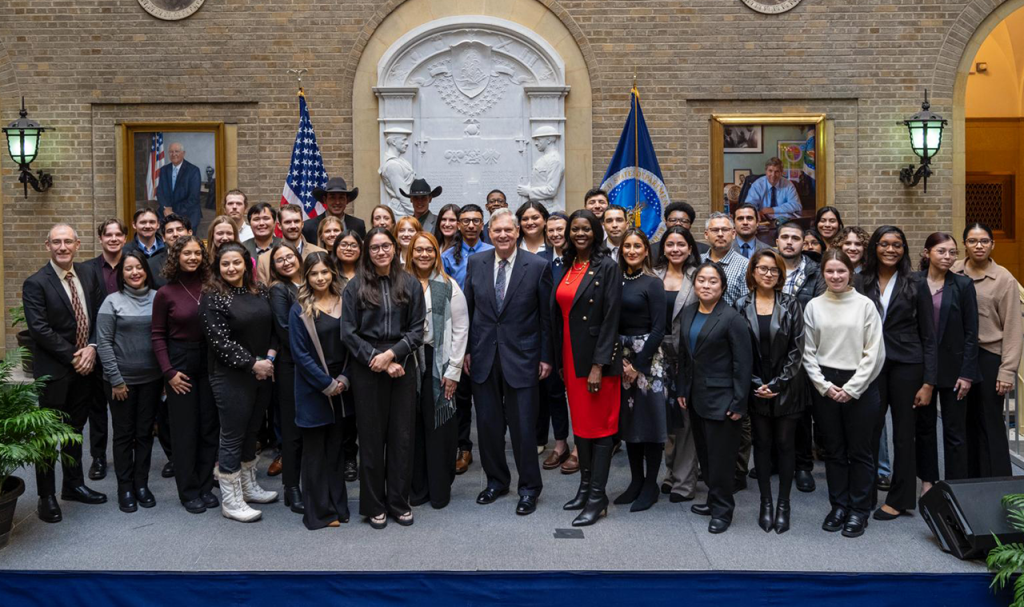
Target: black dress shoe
{"x": 884, "y": 483}
{"x": 666, "y": 488}
{"x": 855, "y": 525}
{"x": 209, "y": 499}
{"x": 48, "y": 509}
{"x": 677, "y": 498}
{"x": 782, "y": 516}
{"x": 488, "y": 495}
{"x": 835, "y": 520}
{"x": 168, "y": 470}
{"x": 351, "y": 471}
{"x": 701, "y": 509}
{"x": 84, "y": 495}
{"x": 882, "y": 515}
{"x": 126, "y": 501}
{"x": 196, "y": 506}
{"x": 293, "y": 499}
{"x": 527, "y": 504}
{"x": 804, "y": 481}
{"x": 718, "y": 525}
{"x": 98, "y": 470}
{"x": 145, "y": 497}
{"x": 752, "y": 474}
{"x": 766, "y": 518}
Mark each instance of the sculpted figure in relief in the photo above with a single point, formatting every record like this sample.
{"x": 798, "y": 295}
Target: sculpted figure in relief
{"x": 396, "y": 173}
{"x": 546, "y": 177}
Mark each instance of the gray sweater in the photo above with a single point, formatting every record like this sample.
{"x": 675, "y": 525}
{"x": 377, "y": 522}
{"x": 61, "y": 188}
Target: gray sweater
{"x": 124, "y": 338}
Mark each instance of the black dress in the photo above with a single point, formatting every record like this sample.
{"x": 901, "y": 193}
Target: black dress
{"x": 642, "y": 417}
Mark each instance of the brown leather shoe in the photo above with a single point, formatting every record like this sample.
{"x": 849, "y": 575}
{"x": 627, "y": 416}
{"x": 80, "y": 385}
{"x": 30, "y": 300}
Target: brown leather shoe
{"x": 275, "y": 467}
{"x": 571, "y": 464}
{"x": 556, "y": 459}
{"x": 462, "y": 464}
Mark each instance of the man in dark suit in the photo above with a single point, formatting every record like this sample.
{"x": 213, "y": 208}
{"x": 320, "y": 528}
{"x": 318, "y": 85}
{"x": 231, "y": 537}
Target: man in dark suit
{"x": 335, "y": 197}
{"x": 61, "y": 301}
{"x": 178, "y": 191}
{"x": 104, "y": 268}
{"x": 508, "y": 294}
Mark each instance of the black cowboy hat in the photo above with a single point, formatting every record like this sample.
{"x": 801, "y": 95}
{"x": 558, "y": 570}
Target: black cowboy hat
{"x": 420, "y": 187}
{"x": 335, "y": 184}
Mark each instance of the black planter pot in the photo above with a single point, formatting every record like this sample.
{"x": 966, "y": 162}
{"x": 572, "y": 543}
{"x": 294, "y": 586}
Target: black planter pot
{"x": 25, "y": 341}
{"x": 9, "y": 493}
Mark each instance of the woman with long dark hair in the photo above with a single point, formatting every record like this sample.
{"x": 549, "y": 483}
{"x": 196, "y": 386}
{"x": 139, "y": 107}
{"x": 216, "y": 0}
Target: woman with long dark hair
{"x": 180, "y": 347}
{"x": 677, "y": 264}
{"x": 642, "y": 413}
{"x": 585, "y": 319}
{"x": 383, "y": 311}
{"x": 999, "y": 350}
{"x": 909, "y": 373}
{"x": 829, "y": 223}
{"x": 285, "y": 278}
{"x": 954, "y": 314}
{"x": 238, "y": 323}
{"x": 314, "y": 331}
{"x": 447, "y": 226}
{"x": 533, "y": 217}
{"x": 131, "y": 377}
{"x": 777, "y": 385}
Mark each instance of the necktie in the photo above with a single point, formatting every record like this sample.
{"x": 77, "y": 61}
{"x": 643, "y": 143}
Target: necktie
{"x": 82, "y": 330}
{"x": 499, "y": 283}
{"x": 174, "y": 180}
{"x": 745, "y": 249}
{"x": 775, "y": 201}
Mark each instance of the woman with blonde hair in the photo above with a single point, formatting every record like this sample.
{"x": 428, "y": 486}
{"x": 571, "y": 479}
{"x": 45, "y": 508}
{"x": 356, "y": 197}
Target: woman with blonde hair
{"x": 328, "y": 232}
{"x": 222, "y": 230}
{"x": 445, "y": 334}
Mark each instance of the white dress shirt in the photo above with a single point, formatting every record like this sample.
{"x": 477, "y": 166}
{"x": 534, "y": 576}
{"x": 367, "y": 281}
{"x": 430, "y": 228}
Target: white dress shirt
{"x": 61, "y": 273}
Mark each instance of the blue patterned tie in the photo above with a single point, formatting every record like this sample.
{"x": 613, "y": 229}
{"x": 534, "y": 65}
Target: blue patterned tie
{"x": 775, "y": 200}
{"x": 499, "y": 283}
{"x": 746, "y": 250}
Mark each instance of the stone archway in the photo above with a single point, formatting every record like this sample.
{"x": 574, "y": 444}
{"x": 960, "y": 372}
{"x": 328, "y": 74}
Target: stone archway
{"x": 537, "y": 27}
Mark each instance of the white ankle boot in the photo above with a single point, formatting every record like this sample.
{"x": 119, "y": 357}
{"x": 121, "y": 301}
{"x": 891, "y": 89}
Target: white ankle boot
{"x": 251, "y": 490}
{"x": 232, "y": 505}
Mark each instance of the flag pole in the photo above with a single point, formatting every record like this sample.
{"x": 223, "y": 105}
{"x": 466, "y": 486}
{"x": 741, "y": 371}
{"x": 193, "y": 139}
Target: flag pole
{"x": 634, "y": 96}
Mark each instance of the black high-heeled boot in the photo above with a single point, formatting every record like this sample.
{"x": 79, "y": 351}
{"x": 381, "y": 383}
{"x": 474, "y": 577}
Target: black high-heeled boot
{"x": 583, "y": 453}
{"x": 597, "y": 501}
{"x": 635, "y": 452}
{"x": 782, "y": 516}
{"x": 293, "y": 499}
{"x": 649, "y": 493}
{"x": 766, "y": 519}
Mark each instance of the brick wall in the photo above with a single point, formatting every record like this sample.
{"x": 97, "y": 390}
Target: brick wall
{"x": 85, "y": 65}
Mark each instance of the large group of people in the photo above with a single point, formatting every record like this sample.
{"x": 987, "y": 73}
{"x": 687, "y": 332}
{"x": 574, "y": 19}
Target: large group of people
{"x": 370, "y": 351}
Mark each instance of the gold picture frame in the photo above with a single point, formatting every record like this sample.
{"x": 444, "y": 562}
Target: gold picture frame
{"x": 718, "y": 123}
{"x": 127, "y": 166}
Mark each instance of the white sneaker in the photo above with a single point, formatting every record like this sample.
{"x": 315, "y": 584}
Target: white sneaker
{"x": 251, "y": 490}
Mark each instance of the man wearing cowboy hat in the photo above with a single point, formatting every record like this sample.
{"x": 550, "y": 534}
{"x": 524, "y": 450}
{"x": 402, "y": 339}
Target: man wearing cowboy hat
{"x": 335, "y": 197}
{"x": 420, "y": 195}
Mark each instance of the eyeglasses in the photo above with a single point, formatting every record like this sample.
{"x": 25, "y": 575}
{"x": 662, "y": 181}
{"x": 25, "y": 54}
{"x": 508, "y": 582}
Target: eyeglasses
{"x": 496, "y": 201}
{"x": 286, "y": 258}
{"x": 895, "y": 246}
{"x": 381, "y": 248}
{"x": 972, "y": 242}
{"x": 350, "y": 246}
{"x": 766, "y": 271}
{"x": 467, "y": 221}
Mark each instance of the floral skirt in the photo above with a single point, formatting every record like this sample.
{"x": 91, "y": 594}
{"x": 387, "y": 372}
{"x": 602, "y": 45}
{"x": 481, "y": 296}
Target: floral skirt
{"x": 643, "y": 413}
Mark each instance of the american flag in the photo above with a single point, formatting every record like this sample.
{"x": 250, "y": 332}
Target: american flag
{"x": 306, "y": 172}
{"x": 156, "y": 160}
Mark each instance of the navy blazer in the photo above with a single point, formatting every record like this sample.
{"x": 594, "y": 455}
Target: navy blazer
{"x": 51, "y": 319}
{"x": 313, "y": 408}
{"x": 715, "y": 376}
{"x": 520, "y": 333}
{"x": 183, "y": 199}
{"x": 593, "y": 320}
{"x": 957, "y": 337}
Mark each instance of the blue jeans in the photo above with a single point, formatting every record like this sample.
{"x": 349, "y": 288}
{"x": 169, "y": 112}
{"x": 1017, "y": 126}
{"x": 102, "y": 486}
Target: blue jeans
{"x": 884, "y": 466}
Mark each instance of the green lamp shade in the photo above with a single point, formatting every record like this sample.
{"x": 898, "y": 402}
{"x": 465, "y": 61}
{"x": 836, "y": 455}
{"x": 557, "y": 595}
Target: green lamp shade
{"x": 925, "y": 136}
{"x": 23, "y": 144}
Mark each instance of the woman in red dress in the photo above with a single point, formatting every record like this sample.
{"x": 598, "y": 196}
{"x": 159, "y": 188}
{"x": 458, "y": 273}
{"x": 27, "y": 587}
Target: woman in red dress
{"x": 585, "y": 318}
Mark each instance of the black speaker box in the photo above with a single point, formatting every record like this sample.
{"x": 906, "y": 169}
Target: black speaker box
{"x": 964, "y": 515}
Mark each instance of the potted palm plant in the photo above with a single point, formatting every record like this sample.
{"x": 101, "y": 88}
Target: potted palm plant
{"x": 29, "y": 435}
{"x": 24, "y": 337}
{"x": 1007, "y": 560}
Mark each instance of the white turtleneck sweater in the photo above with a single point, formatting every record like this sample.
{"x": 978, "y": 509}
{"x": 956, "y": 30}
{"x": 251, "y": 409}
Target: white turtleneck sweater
{"x": 843, "y": 331}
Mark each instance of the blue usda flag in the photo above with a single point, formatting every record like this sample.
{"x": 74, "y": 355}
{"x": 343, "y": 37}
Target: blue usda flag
{"x": 633, "y": 180}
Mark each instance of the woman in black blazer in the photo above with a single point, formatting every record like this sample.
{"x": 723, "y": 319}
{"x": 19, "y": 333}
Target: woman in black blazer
{"x": 909, "y": 372}
{"x": 585, "y": 323}
{"x": 715, "y": 365}
{"x": 954, "y": 315}
{"x": 777, "y": 385}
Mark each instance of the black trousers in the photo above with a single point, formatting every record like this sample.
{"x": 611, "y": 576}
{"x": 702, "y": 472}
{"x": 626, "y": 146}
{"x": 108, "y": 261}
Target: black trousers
{"x": 350, "y": 444}
{"x": 291, "y": 437}
{"x": 897, "y": 385}
{"x": 954, "y": 437}
{"x": 98, "y": 421}
{"x": 499, "y": 405}
{"x": 743, "y": 452}
{"x": 436, "y": 448}
{"x": 805, "y": 432}
{"x": 195, "y": 422}
{"x": 464, "y": 411}
{"x": 719, "y": 442}
{"x": 847, "y": 432}
{"x": 775, "y": 435}
{"x": 988, "y": 449}
{"x": 133, "y": 432}
{"x": 163, "y": 429}
{"x": 242, "y": 402}
{"x": 554, "y": 409}
{"x": 72, "y": 394}
{"x": 323, "y": 475}
{"x": 386, "y": 408}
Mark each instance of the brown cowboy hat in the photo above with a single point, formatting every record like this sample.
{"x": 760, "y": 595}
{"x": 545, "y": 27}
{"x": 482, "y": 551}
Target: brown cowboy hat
{"x": 335, "y": 184}
{"x": 420, "y": 187}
